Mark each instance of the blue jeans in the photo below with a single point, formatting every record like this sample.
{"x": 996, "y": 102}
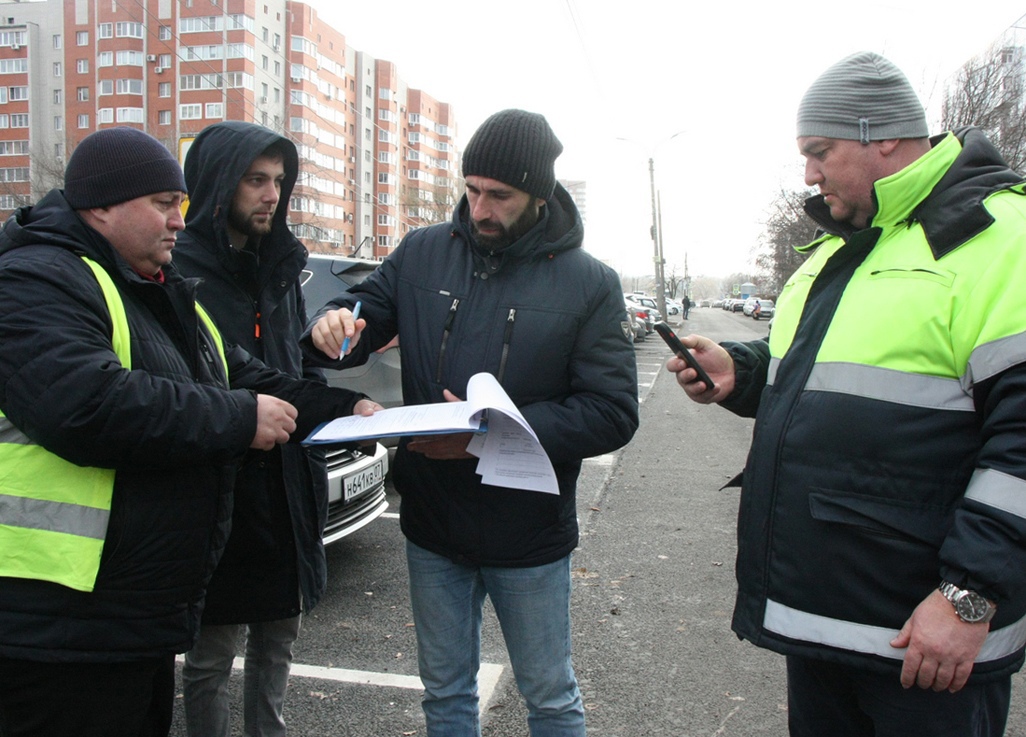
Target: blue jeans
{"x": 533, "y": 608}
{"x": 266, "y": 676}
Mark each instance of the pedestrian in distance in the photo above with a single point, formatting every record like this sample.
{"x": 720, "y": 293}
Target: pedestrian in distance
{"x": 685, "y": 303}
{"x": 504, "y": 288}
{"x": 125, "y": 414}
{"x": 883, "y": 504}
{"x": 236, "y": 240}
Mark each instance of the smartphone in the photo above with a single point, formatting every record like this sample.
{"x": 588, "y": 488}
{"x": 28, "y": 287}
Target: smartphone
{"x": 667, "y": 334}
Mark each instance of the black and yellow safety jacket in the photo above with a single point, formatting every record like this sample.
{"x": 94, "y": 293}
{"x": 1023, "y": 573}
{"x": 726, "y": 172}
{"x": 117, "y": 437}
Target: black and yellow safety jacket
{"x": 172, "y": 429}
{"x": 889, "y": 449}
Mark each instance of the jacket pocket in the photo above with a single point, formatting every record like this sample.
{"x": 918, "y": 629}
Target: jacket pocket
{"x": 925, "y": 523}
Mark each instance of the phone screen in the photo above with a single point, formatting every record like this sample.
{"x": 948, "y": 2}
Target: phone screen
{"x": 667, "y": 334}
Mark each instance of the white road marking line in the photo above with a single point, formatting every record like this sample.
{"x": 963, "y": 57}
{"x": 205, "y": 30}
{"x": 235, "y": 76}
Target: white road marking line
{"x": 487, "y": 677}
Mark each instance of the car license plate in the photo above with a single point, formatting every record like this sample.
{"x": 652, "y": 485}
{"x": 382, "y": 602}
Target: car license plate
{"x": 360, "y": 482}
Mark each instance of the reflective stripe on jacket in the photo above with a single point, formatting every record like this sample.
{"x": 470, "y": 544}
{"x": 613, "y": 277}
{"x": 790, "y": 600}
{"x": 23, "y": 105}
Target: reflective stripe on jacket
{"x": 55, "y": 531}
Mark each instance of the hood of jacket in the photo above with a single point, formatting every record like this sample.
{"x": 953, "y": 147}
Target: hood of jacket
{"x": 217, "y": 159}
{"x": 559, "y": 228}
{"x": 952, "y": 212}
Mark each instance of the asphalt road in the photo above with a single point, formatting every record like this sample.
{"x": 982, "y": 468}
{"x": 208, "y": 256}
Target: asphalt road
{"x": 654, "y": 588}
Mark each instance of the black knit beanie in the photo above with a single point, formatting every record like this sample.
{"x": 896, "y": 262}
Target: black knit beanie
{"x": 517, "y": 148}
{"x": 115, "y": 165}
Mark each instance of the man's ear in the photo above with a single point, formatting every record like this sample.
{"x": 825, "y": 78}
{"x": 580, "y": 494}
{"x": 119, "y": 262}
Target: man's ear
{"x": 887, "y": 147}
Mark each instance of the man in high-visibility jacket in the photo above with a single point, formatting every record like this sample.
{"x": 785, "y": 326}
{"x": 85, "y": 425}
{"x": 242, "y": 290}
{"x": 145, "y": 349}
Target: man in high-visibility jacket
{"x": 883, "y": 506}
{"x": 124, "y": 417}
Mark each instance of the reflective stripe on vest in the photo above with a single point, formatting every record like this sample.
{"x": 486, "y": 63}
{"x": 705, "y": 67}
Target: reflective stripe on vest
{"x": 43, "y": 535}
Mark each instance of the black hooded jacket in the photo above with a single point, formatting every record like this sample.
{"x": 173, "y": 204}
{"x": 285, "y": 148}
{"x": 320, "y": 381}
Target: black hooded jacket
{"x": 275, "y": 550}
{"x": 543, "y": 317}
{"x": 170, "y": 428}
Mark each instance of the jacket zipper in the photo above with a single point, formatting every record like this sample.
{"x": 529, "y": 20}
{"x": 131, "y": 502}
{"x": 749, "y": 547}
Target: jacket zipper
{"x": 510, "y": 319}
{"x": 445, "y": 337}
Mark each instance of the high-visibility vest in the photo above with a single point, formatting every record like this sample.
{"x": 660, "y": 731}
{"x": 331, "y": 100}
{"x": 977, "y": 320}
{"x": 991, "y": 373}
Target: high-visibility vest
{"x": 53, "y": 513}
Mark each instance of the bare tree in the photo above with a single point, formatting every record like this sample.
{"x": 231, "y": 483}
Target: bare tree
{"x": 988, "y": 92}
{"x": 787, "y": 228}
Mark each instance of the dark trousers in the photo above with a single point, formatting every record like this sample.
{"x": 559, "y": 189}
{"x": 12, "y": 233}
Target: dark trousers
{"x": 830, "y": 700}
{"x": 132, "y": 699}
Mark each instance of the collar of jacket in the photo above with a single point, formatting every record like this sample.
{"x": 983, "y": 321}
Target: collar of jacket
{"x": 944, "y": 191}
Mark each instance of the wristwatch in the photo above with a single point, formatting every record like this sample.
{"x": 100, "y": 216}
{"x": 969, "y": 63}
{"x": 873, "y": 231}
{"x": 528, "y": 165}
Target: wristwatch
{"x": 969, "y": 606}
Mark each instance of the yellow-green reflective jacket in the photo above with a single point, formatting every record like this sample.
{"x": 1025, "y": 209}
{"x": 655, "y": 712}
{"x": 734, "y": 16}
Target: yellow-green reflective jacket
{"x": 890, "y": 443}
{"x": 53, "y": 513}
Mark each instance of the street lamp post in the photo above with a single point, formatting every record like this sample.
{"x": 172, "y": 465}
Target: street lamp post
{"x": 657, "y": 240}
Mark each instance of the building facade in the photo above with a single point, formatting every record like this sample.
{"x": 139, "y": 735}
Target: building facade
{"x": 376, "y": 158}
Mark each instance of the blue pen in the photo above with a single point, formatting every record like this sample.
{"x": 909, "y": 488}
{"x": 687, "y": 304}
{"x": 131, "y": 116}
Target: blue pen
{"x": 345, "y": 343}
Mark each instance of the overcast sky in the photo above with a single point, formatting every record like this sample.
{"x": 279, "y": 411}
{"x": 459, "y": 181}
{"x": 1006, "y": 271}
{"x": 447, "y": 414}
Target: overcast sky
{"x": 727, "y": 75}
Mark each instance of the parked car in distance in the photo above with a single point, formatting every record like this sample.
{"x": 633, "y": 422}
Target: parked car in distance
{"x": 638, "y": 329}
{"x": 649, "y": 305}
{"x": 749, "y": 305}
{"x": 766, "y": 309}
{"x": 356, "y": 476}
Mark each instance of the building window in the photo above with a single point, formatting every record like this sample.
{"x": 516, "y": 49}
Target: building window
{"x": 57, "y": 69}
{"x": 131, "y": 115}
{"x": 5, "y": 121}
{"x": 265, "y": 62}
{"x": 82, "y": 38}
{"x": 57, "y": 43}
{"x": 106, "y": 87}
{"x": 3, "y": 95}
{"x": 106, "y": 30}
{"x": 18, "y": 93}
{"x": 164, "y": 33}
{"x": 215, "y": 110}
{"x": 164, "y": 117}
{"x": 105, "y": 59}
{"x": 131, "y": 59}
{"x": 13, "y": 148}
{"x": 82, "y": 94}
{"x": 83, "y": 120}
{"x": 104, "y": 115}
{"x": 164, "y": 89}
{"x": 130, "y": 87}
{"x": 82, "y": 66}
{"x": 190, "y": 112}
{"x": 58, "y": 97}
{"x": 58, "y": 123}
{"x": 128, "y": 29}
{"x": 164, "y": 61}
{"x": 14, "y": 174}
{"x": 20, "y": 120}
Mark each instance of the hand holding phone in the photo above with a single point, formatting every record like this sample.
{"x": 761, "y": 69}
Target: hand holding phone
{"x": 667, "y": 334}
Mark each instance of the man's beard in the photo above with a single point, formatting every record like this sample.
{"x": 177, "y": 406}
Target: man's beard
{"x": 506, "y": 236}
{"x": 248, "y": 225}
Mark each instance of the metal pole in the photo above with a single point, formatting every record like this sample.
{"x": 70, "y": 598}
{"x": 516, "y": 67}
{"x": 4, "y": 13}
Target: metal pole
{"x": 658, "y": 256}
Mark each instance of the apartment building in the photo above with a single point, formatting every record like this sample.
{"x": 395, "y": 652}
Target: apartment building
{"x": 376, "y": 158}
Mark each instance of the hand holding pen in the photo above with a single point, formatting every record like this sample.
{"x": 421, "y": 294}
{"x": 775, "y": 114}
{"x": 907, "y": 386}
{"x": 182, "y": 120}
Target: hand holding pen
{"x": 329, "y": 332}
{"x": 345, "y": 343}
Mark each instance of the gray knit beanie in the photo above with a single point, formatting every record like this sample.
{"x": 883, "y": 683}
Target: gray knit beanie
{"x": 116, "y": 165}
{"x": 863, "y": 97}
{"x": 517, "y": 148}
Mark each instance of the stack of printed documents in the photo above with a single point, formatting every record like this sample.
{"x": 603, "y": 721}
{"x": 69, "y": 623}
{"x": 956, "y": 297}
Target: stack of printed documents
{"x": 507, "y": 449}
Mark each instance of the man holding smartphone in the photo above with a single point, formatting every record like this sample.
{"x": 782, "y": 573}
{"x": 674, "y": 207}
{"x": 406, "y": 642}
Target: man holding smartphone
{"x": 883, "y": 506}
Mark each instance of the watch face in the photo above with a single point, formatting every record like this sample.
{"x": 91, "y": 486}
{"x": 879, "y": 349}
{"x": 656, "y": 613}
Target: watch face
{"x": 972, "y": 607}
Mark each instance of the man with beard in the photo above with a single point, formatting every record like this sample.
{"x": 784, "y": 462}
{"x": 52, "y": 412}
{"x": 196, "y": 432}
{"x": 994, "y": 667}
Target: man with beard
{"x": 504, "y": 288}
{"x": 236, "y": 239}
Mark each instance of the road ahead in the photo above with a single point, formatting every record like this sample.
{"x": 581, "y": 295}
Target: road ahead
{"x": 654, "y": 588}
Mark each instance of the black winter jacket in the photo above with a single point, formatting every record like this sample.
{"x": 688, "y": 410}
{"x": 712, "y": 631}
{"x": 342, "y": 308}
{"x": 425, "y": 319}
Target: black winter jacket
{"x": 275, "y": 550}
{"x": 171, "y": 429}
{"x": 543, "y": 317}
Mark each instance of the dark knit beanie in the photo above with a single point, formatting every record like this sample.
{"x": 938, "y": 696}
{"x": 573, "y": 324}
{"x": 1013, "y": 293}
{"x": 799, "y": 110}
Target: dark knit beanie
{"x": 863, "y": 97}
{"x": 115, "y": 165}
{"x": 517, "y": 148}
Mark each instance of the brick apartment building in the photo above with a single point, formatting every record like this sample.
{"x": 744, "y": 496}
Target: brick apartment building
{"x": 376, "y": 158}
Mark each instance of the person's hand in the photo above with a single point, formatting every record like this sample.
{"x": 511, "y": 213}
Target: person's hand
{"x": 716, "y": 362}
{"x": 443, "y": 447}
{"x": 941, "y": 647}
{"x": 276, "y": 420}
{"x": 333, "y": 328}
{"x": 366, "y": 407}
